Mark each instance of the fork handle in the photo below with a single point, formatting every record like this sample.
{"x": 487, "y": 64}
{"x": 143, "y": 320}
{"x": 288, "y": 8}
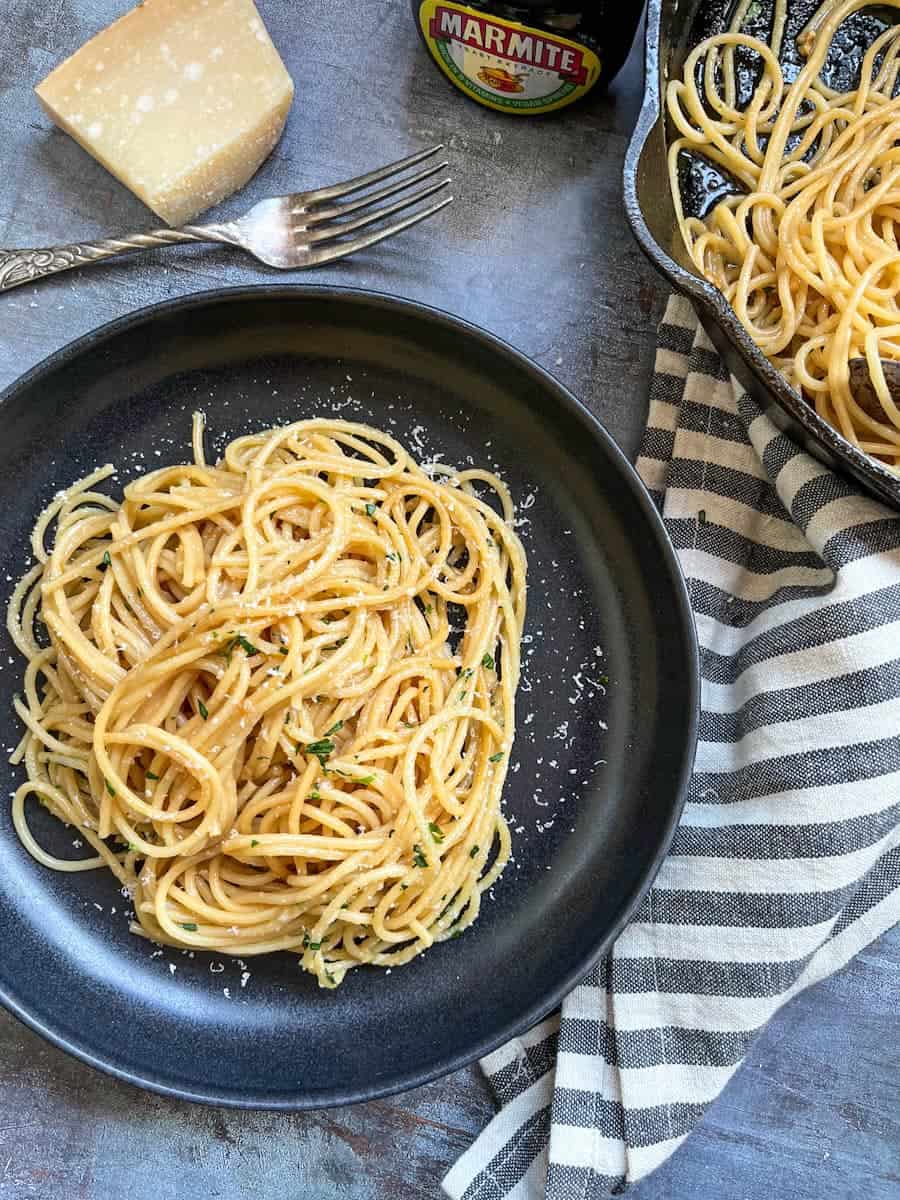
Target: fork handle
{"x": 28, "y": 265}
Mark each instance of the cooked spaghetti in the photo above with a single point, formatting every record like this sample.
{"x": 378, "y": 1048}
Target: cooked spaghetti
{"x": 276, "y": 694}
{"x": 807, "y": 253}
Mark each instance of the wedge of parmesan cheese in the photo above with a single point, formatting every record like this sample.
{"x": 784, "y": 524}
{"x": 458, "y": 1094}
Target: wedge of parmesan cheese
{"x": 181, "y": 100}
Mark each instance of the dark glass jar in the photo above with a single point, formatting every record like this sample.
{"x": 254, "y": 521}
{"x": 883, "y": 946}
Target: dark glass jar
{"x": 528, "y": 57}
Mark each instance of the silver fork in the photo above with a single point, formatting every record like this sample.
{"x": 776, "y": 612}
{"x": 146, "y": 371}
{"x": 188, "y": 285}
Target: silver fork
{"x": 293, "y": 233}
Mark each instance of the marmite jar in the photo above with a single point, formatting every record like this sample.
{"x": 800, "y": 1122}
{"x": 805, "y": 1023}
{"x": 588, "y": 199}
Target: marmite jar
{"x": 528, "y": 57}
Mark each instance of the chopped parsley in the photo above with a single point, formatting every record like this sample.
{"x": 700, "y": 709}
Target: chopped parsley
{"x": 496, "y": 757}
{"x": 308, "y": 945}
{"x": 338, "y": 725}
{"x": 314, "y": 796}
{"x": 203, "y": 710}
{"x": 321, "y": 750}
{"x": 232, "y": 644}
{"x": 190, "y": 926}
{"x": 365, "y": 780}
{"x": 370, "y": 510}
{"x": 254, "y": 842}
{"x": 109, "y": 787}
{"x": 701, "y": 517}
{"x": 436, "y": 832}
{"x": 283, "y": 650}
{"x": 150, "y": 775}
{"x": 105, "y": 561}
{"x": 419, "y": 859}
{"x": 473, "y": 853}
{"x": 488, "y": 662}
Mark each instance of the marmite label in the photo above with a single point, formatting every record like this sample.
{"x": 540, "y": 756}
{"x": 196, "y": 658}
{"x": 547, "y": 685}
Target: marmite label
{"x": 511, "y": 67}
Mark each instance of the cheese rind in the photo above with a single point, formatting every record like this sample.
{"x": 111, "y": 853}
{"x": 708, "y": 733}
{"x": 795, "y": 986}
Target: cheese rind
{"x": 181, "y": 100}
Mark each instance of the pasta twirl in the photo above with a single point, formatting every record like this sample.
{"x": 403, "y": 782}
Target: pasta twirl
{"x": 276, "y": 694}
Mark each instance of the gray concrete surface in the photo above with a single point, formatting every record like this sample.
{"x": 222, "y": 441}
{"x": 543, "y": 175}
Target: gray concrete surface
{"x": 535, "y": 248}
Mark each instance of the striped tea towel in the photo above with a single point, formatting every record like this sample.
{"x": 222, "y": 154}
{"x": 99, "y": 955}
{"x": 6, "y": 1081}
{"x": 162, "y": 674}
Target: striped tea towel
{"x": 787, "y": 860}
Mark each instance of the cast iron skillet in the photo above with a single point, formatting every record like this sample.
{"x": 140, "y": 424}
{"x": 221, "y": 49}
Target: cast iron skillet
{"x": 599, "y": 769}
{"x": 673, "y": 29}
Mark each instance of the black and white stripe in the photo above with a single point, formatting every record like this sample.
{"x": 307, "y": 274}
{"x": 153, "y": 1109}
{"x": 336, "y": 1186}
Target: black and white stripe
{"x": 787, "y": 861}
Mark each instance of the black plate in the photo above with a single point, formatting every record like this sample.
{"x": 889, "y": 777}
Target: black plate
{"x": 598, "y": 776}
{"x": 674, "y": 27}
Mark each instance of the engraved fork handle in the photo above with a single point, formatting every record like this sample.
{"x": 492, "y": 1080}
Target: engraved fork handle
{"x": 26, "y": 266}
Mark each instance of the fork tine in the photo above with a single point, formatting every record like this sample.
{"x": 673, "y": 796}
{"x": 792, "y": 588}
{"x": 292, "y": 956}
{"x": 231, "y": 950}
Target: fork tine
{"x": 336, "y": 229}
{"x": 363, "y": 181}
{"x": 327, "y": 254}
{"x": 315, "y": 216}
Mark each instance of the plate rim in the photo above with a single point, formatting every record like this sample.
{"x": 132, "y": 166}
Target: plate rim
{"x": 551, "y": 998}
